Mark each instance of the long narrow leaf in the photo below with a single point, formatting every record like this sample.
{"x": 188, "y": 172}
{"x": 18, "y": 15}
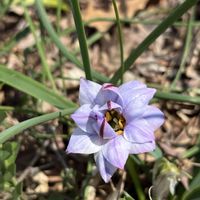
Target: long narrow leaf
{"x": 40, "y": 48}
{"x": 33, "y": 88}
{"x": 176, "y": 14}
{"x": 177, "y": 97}
{"x": 16, "y": 129}
{"x": 82, "y": 38}
{"x": 50, "y": 30}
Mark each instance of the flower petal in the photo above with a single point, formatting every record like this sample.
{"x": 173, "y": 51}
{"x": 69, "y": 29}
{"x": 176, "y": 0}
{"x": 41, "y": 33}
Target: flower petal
{"x": 142, "y": 129}
{"x": 88, "y": 91}
{"x": 82, "y": 118}
{"x": 130, "y": 89}
{"x": 153, "y": 116}
{"x": 116, "y": 151}
{"x": 136, "y": 107}
{"x": 138, "y": 134}
{"x": 142, "y": 148}
{"x": 104, "y": 130}
{"x": 107, "y": 93}
{"x": 140, "y": 97}
{"x": 105, "y": 168}
{"x": 131, "y": 113}
{"x": 109, "y": 105}
{"x": 81, "y": 142}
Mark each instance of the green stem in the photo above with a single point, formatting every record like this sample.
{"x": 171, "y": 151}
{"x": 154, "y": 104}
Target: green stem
{"x": 186, "y": 51}
{"x": 120, "y": 39}
{"x": 136, "y": 21}
{"x": 134, "y": 176}
{"x": 5, "y": 7}
{"x": 33, "y": 88}
{"x": 40, "y": 48}
{"x": 191, "y": 152}
{"x": 81, "y": 37}
{"x": 18, "y": 128}
{"x": 19, "y": 109}
{"x": 6, "y": 108}
{"x": 58, "y": 18}
{"x": 177, "y": 13}
{"x": 177, "y": 97}
{"x": 54, "y": 37}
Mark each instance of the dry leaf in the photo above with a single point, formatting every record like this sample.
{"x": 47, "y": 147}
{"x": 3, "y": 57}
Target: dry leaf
{"x": 99, "y": 9}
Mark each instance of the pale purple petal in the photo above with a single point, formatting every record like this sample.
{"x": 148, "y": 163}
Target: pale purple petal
{"x": 130, "y": 90}
{"x": 142, "y": 129}
{"x": 81, "y": 142}
{"x": 105, "y": 168}
{"x": 88, "y": 91}
{"x": 109, "y": 105}
{"x": 131, "y": 112}
{"x": 107, "y": 93}
{"x": 104, "y": 129}
{"x": 142, "y": 148}
{"x": 82, "y": 118}
{"x": 116, "y": 151}
{"x": 141, "y": 97}
{"x": 136, "y": 107}
{"x": 130, "y": 86}
{"x": 153, "y": 117}
{"x": 138, "y": 134}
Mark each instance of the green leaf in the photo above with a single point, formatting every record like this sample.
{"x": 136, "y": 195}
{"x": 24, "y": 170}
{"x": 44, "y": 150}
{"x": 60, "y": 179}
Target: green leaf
{"x": 127, "y": 196}
{"x": 157, "y": 153}
{"x": 17, "y": 191}
{"x": 55, "y": 38}
{"x": 3, "y": 155}
{"x": 177, "y": 97}
{"x": 18, "y": 128}
{"x": 193, "y": 194}
{"x": 2, "y": 116}
{"x": 7, "y": 46}
{"x": 135, "y": 53}
{"x": 82, "y": 38}
{"x": 33, "y": 88}
{"x": 195, "y": 180}
{"x": 130, "y": 165}
{"x": 48, "y": 3}
{"x": 12, "y": 148}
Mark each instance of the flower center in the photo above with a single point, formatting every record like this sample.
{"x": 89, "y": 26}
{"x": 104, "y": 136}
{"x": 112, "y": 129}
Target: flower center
{"x": 116, "y": 121}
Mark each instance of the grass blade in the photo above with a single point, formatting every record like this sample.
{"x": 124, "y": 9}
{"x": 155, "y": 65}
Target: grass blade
{"x": 120, "y": 39}
{"x": 82, "y": 38}
{"x": 45, "y": 22}
{"x": 186, "y": 50}
{"x": 177, "y": 97}
{"x": 40, "y": 48}
{"x": 130, "y": 165}
{"x": 33, "y": 88}
{"x": 50, "y": 30}
{"x": 177, "y": 13}
{"x": 18, "y": 128}
{"x": 7, "y": 46}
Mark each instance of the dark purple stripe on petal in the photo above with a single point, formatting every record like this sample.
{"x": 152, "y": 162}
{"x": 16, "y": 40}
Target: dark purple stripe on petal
{"x": 102, "y": 128}
{"x": 108, "y": 85}
{"x": 94, "y": 117}
{"x": 109, "y": 105}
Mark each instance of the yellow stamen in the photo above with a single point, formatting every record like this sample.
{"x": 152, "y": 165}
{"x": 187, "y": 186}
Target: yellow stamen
{"x": 121, "y": 122}
{"x": 119, "y": 132}
{"x": 108, "y": 117}
{"x": 116, "y": 121}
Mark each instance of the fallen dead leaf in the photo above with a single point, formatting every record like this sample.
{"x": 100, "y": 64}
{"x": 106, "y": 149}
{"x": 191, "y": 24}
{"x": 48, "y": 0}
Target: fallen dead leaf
{"x": 102, "y": 9}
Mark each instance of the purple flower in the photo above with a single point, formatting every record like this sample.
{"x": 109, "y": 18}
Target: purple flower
{"x": 114, "y": 122}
